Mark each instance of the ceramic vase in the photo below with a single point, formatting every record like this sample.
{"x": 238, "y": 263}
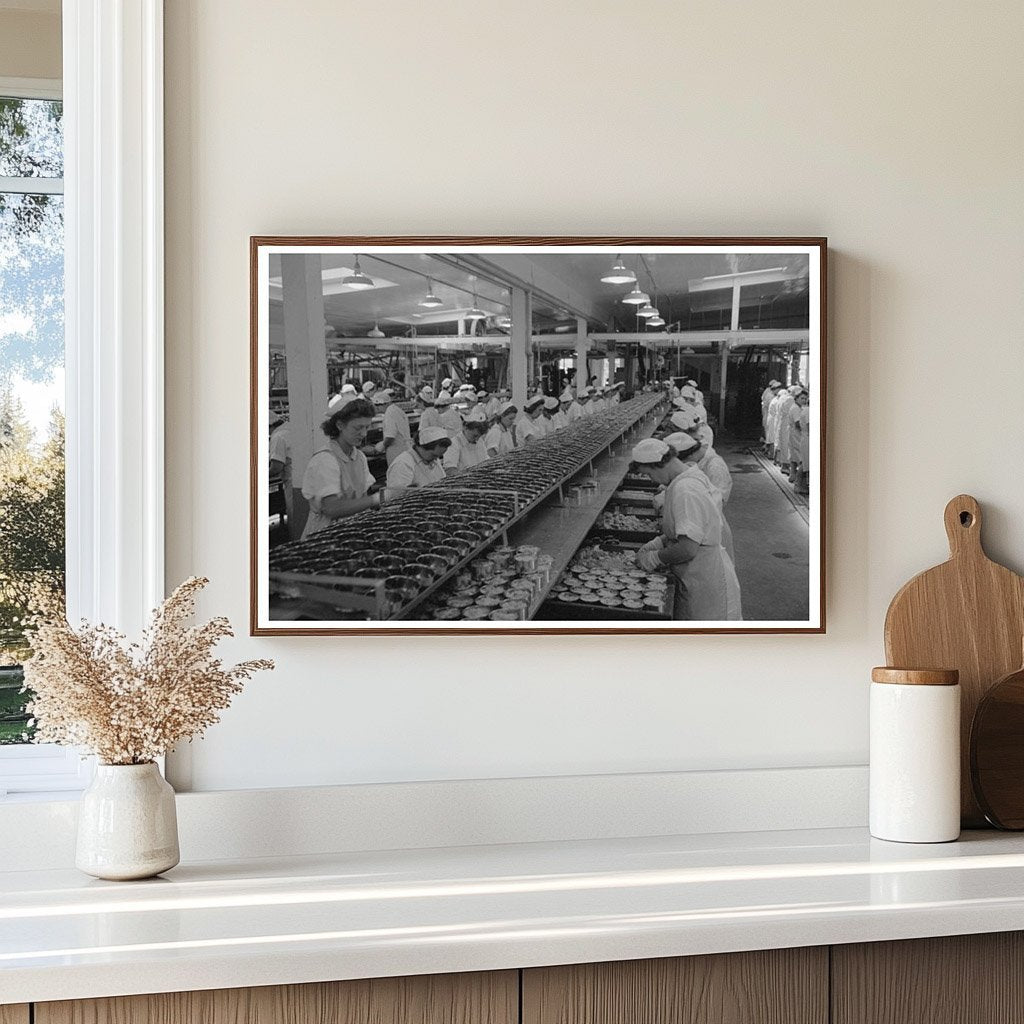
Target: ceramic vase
{"x": 127, "y": 825}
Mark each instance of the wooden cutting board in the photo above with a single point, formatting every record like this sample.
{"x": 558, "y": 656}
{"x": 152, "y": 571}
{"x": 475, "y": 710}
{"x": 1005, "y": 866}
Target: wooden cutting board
{"x": 967, "y": 614}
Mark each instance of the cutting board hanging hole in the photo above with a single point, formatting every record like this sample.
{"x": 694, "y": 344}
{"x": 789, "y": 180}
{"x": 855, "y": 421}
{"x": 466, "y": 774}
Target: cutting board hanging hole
{"x": 963, "y": 526}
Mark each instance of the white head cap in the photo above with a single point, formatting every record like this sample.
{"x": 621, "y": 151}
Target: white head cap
{"x": 684, "y": 419}
{"x": 426, "y": 393}
{"x": 551, "y": 403}
{"x": 443, "y": 399}
{"x": 431, "y": 435}
{"x": 383, "y": 397}
{"x": 533, "y": 402}
{"x": 794, "y": 388}
{"x": 446, "y": 383}
{"x": 369, "y": 387}
{"x": 682, "y": 443}
{"x": 338, "y": 402}
{"x": 688, "y": 392}
{"x": 477, "y": 417}
{"x": 649, "y": 451}
{"x": 507, "y": 407}
{"x": 348, "y": 389}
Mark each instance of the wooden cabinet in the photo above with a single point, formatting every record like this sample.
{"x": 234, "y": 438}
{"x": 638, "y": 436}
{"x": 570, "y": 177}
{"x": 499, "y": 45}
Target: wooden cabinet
{"x": 491, "y": 998}
{"x": 962, "y": 979}
{"x": 966, "y": 979}
{"x": 777, "y": 986}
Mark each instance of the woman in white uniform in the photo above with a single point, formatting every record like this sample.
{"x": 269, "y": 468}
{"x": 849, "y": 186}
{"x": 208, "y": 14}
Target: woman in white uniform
{"x": 421, "y": 465}
{"x": 712, "y": 465}
{"x": 337, "y": 479}
{"x": 501, "y": 438}
{"x": 783, "y": 454}
{"x": 691, "y": 541}
{"x": 527, "y": 428}
{"x": 551, "y": 405}
{"x": 766, "y": 399}
{"x": 575, "y": 410}
{"x": 429, "y": 416}
{"x": 467, "y": 448}
{"x": 449, "y": 418}
{"x": 397, "y": 436}
{"x": 800, "y": 441}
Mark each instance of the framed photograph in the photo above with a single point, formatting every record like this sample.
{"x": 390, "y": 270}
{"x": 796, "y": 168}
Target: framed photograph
{"x": 537, "y": 435}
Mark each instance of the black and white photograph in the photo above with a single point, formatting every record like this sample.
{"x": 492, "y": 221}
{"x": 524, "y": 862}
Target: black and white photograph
{"x": 537, "y": 435}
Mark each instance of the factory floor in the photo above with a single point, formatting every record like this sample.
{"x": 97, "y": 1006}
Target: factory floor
{"x": 770, "y": 535}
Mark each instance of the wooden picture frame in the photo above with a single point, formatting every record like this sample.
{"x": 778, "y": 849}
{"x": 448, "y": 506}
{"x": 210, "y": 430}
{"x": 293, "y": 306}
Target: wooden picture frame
{"x": 553, "y": 274}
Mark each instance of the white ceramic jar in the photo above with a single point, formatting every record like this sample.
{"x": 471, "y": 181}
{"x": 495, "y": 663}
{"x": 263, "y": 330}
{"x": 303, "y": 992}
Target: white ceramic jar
{"x": 915, "y": 755}
{"x": 127, "y": 823}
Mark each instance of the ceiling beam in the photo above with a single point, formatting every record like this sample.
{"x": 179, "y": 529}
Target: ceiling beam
{"x": 519, "y": 270}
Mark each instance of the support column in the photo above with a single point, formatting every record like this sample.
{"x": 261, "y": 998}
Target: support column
{"x": 306, "y": 353}
{"x": 582, "y": 347}
{"x": 520, "y": 341}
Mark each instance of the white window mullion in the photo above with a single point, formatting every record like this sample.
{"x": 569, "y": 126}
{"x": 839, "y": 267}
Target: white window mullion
{"x": 113, "y": 113}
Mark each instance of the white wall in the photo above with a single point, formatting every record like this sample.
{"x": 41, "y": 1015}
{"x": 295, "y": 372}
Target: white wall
{"x": 895, "y": 129}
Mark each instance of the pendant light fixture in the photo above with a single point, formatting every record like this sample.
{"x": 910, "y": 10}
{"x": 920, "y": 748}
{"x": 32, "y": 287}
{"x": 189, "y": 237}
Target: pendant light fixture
{"x": 647, "y": 310}
{"x": 619, "y": 274}
{"x": 637, "y": 297}
{"x": 475, "y": 313}
{"x": 376, "y": 332}
{"x": 655, "y": 321}
{"x": 357, "y": 279}
{"x": 430, "y": 300}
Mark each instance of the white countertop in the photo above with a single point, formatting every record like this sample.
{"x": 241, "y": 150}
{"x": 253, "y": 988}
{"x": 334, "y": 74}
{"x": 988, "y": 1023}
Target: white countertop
{"x": 225, "y": 924}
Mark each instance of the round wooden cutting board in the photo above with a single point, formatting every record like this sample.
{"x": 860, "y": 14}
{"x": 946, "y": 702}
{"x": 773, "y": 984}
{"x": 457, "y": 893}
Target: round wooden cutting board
{"x": 967, "y": 614}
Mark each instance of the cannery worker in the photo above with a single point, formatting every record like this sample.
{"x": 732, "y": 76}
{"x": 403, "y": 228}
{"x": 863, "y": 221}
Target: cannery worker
{"x": 551, "y": 405}
{"x": 691, "y": 541}
{"x": 766, "y": 399}
{"x": 561, "y": 418}
{"x": 337, "y": 478}
{"x": 772, "y": 422}
{"x": 782, "y": 451}
{"x": 501, "y": 437}
{"x": 800, "y": 441}
{"x": 527, "y": 428}
{"x": 429, "y": 416}
{"x": 421, "y": 465}
{"x": 397, "y": 436}
{"x": 575, "y": 410}
{"x": 450, "y": 418}
{"x": 467, "y": 448}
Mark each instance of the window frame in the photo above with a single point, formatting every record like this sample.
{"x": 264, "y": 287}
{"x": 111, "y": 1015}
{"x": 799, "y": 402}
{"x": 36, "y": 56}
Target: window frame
{"x": 112, "y": 90}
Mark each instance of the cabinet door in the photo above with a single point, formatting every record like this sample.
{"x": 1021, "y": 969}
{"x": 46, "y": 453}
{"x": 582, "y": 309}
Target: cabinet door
{"x": 14, "y": 1014}
{"x": 961, "y": 979}
{"x": 483, "y": 998}
{"x": 777, "y": 986}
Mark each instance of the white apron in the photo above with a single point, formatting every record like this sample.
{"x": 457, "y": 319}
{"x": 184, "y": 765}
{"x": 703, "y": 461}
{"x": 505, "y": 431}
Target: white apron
{"x": 712, "y": 590}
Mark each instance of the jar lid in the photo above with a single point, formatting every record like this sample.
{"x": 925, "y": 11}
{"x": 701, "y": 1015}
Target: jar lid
{"x": 916, "y": 676}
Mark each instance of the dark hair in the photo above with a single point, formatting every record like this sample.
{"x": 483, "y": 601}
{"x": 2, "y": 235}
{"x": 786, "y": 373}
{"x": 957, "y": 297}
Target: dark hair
{"x": 358, "y": 407}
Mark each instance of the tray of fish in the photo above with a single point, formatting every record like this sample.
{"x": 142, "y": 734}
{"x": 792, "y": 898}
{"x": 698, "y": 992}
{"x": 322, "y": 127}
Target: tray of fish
{"x": 586, "y": 590}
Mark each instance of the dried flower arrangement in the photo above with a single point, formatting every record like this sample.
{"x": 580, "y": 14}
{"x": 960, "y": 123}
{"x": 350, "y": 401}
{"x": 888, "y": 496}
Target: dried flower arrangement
{"x": 129, "y": 704}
